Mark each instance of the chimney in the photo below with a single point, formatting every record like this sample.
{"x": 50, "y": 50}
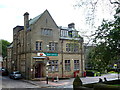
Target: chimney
{"x": 26, "y": 20}
{"x": 71, "y": 25}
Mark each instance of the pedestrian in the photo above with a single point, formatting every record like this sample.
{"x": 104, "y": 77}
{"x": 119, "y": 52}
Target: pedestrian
{"x": 100, "y": 80}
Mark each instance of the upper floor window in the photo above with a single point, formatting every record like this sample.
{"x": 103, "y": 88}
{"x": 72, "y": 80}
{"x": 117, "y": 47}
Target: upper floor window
{"x": 64, "y": 33}
{"x": 70, "y": 33}
{"x": 38, "y": 45}
{"x": 53, "y": 46}
{"x": 68, "y": 47}
{"x": 72, "y": 47}
{"x": 47, "y": 32}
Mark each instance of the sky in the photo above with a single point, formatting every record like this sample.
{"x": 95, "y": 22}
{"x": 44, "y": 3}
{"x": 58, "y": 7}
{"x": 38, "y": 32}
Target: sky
{"x": 62, "y": 11}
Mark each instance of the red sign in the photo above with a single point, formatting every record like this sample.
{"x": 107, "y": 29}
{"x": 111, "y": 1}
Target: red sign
{"x": 41, "y": 54}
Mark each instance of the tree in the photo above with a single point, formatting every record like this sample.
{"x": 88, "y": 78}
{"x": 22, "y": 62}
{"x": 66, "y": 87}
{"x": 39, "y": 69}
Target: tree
{"x": 94, "y": 11}
{"x": 92, "y": 7}
{"x": 107, "y": 40}
{"x": 4, "y": 45}
{"x": 106, "y": 36}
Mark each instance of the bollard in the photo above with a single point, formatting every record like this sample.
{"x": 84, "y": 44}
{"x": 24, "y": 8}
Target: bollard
{"x": 57, "y": 79}
{"x": 46, "y": 80}
{"x": 52, "y": 79}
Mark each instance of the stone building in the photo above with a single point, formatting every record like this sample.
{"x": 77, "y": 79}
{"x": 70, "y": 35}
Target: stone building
{"x": 1, "y": 61}
{"x": 41, "y": 48}
{"x": 9, "y": 62}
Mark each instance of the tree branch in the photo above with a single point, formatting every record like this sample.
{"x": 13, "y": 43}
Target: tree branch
{"x": 114, "y": 2}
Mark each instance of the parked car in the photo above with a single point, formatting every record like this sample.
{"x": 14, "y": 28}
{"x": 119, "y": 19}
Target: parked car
{"x": 4, "y": 72}
{"x": 15, "y": 75}
{"x": 92, "y": 73}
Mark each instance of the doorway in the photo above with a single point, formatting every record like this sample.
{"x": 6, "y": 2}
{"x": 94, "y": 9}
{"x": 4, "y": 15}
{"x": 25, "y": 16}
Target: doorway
{"x": 39, "y": 70}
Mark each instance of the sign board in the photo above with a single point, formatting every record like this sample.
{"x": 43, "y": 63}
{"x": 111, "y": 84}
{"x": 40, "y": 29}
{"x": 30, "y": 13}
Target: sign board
{"x": 51, "y": 54}
{"x": 47, "y": 54}
{"x": 41, "y": 54}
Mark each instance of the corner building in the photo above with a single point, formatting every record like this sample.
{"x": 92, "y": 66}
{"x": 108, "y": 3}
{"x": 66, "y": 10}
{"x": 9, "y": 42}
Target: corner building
{"x": 40, "y": 42}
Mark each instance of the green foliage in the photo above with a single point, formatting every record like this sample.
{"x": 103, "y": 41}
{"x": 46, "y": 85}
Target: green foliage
{"x": 0, "y": 47}
{"x": 4, "y": 44}
{"x": 107, "y": 40}
{"x": 77, "y": 82}
{"x": 100, "y": 86}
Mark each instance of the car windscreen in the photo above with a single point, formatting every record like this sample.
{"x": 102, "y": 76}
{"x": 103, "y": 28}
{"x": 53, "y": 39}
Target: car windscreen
{"x": 17, "y": 72}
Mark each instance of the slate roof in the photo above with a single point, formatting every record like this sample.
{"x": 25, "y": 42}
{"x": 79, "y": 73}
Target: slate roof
{"x": 11, "y": 45}
{"x": 32, "y": 21}
{"x": 69, "y": 29}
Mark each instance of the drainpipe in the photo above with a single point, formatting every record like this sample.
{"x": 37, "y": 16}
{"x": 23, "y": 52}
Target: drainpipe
{"x": 62, "y": 56}
{"x": 81, "y": 42}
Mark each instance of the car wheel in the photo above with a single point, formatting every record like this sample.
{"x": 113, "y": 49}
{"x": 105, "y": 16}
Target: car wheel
{"x": 14, "y": 78}
{"x": 10, "y": 77}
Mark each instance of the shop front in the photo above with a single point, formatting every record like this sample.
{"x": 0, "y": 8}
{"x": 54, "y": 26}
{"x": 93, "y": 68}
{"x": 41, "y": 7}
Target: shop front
{"x": 39, "y": 67}
{"x": 40, "y": 64}
{"x": 39, "y": 70}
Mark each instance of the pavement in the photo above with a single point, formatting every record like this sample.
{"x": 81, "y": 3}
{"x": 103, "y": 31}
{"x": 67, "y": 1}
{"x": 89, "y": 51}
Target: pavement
{"x": 55, "y": 84}
{"x": 68, "y": 83}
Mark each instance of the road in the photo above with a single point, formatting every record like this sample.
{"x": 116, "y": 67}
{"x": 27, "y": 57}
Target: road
{"x": 10, "y": 83}
{"x": 68, "y": 83}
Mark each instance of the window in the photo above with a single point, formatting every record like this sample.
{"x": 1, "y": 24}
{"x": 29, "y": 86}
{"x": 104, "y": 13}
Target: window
{"x": 68, "y": 47}
{"x": 53, "y": 46}
{"x": 76, "y": 65}
{"x": 53, "y": 67}
{"x": 64, "y": 33}
{"x": 70, "y": 33}
{"x": 38, "y": 45}
{"x": 72, "y": 47}
{"x": 67, "y": 65}
{"x": 76, "y": 47}
{"x": 47, "y": 32}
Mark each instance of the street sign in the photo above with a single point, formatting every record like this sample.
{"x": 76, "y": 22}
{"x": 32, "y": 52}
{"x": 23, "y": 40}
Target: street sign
{"x": 51, "y": 54}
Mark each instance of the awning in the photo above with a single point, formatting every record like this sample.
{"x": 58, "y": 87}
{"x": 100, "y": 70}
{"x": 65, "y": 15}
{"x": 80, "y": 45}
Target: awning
{"x": 39, "y": 57}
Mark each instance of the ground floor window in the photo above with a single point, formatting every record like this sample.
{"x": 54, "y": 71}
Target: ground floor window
{"x": 76, "y": 65}
{"x": 67, "y": 65}
{"x": 53, "y": 67}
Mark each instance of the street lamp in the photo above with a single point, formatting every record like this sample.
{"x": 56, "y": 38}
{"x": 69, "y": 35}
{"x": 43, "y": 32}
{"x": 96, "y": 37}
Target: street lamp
{"x": 47, "y": 64}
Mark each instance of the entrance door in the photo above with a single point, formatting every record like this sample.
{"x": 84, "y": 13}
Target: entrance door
{"x": 38, "y": 70}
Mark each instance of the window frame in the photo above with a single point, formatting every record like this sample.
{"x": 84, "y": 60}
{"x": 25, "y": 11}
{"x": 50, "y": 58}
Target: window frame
{"x": 53, "y": 46}
{"x": 76, "y": 65}
{"x": 46, "y": 32}
{"x": 38, "y": 45}
{"x": 72, "y": 47}
{"x": 67, "y": 65}
{"x": 53, "y": 67}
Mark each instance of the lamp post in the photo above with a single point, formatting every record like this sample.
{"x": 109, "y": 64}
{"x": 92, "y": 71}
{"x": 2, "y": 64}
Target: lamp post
{"x": 118, "y": 70}
{"x": 47, "y": 64}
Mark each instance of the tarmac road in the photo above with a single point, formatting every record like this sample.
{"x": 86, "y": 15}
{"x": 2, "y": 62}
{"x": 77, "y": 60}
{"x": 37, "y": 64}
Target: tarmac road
{"x": 68, "y": 83}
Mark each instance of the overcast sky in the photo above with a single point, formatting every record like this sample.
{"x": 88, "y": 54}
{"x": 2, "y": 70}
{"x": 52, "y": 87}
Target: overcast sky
{"x": 62, "y": 12}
